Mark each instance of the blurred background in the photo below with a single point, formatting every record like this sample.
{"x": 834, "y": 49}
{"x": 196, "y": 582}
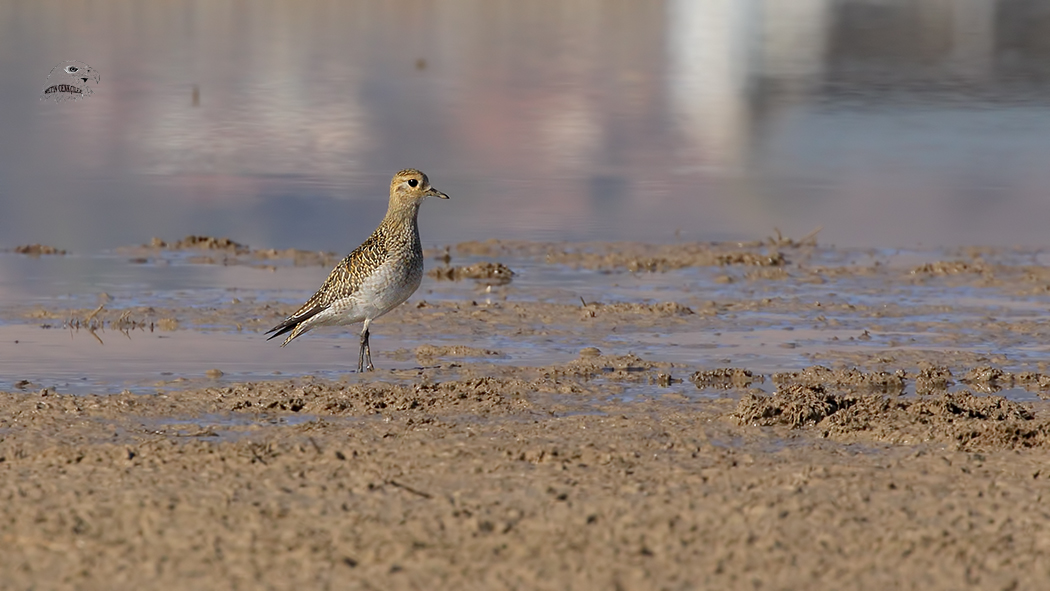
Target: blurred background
{"x": 888, "y": 123}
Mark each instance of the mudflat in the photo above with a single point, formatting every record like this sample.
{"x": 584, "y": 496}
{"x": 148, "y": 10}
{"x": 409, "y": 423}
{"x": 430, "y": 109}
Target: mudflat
{"x": 914, "y": 454}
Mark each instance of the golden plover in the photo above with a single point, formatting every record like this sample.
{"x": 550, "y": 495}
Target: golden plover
{"x": 380, "y": 274}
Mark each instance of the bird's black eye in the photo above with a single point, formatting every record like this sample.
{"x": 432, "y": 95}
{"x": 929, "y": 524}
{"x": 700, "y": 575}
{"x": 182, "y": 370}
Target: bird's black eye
{"x": 72, "y": 69}
{"x": 413, "y": 183}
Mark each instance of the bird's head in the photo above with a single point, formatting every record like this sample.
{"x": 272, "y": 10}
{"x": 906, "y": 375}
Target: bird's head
{"x": 410, "y": 187}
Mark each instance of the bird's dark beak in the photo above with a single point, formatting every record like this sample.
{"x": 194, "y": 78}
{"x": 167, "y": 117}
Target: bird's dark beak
{"x": 432, "y": 192}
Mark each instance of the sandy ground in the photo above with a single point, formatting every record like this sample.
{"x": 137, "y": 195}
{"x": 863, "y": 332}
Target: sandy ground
{"x": 876, "y": 471}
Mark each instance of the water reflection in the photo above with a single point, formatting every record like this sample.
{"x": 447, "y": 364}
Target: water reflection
{"x": 888, "y": 123}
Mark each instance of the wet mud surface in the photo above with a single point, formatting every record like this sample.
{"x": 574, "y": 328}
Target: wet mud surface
{"x": 771, "y": 415}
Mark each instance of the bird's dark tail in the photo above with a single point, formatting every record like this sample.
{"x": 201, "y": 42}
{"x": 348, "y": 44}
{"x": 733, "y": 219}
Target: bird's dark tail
{"x": 286, "y": 326}
{"x": 293, "y": 322}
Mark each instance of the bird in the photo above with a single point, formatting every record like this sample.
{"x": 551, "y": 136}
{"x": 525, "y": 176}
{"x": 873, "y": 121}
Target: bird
{"x": 377, "y": 276}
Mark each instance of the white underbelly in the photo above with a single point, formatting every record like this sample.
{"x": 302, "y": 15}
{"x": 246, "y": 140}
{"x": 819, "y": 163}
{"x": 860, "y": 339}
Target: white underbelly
{"x": 384, "y": 289}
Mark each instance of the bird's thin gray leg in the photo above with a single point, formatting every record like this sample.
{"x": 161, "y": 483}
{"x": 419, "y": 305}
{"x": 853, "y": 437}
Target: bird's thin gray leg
{"x": 361, "y": 352}
{"x": 368, "y": 355}
{"x": 364, "y": 356}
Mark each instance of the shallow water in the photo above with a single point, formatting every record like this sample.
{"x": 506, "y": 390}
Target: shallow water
{"x": 766, "y": 326}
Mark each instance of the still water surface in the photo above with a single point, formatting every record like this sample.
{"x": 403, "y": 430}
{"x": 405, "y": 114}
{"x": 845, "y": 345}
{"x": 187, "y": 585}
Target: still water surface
{"x": 885, "y": 122}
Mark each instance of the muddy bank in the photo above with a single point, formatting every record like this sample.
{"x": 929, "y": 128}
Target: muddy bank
{"x": 538, "y": 480}
{"x": 774, "y": 414}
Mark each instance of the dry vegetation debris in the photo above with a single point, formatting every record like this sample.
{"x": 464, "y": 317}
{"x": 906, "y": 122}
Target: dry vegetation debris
{"x": 35, "y": 250}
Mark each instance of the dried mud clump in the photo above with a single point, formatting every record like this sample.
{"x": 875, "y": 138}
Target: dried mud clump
{"x": 962, "y": 418}
{"x": 431, "y": 352}
{"x": 933, "y": 379}
{"x": 299, "y": 258}
{"x": 201, "y": 243}
{"x": 1032, "y": 380}
{"x": 590, "y": 352}
{"x": 489, "y": 273}
{"x": 989, "y": 379}
{"x": 774, "y": 259}
{"x": 35, "y": 250}
{"x": 481, "y": 396}
{"x": 648, "y": 258}
{"x": 725, "y": 378}
{"x": 969, "y": 406}
{"x": 595, "y": 309}
{"x": 852, "y": 379}
{"x": 233, "y": 252}
{"x": 612, "y": 367}
{"x": 795, "y": 406}
{"x": 941, "y": 268}
{"x": 636, "y": 257}
{"x": 775, "y": 274}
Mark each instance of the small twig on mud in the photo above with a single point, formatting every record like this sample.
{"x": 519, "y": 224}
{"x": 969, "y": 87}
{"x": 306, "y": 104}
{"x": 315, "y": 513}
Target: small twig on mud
{"x": 122, "y": 324}
{"x": 255, "y": 454}
{"x": 409, "y": 489}
{"x": 807, "y": 240}
{"x": 91, "y": 331}
{"x": 811, "y": 236}
{"x": 91, "y": 316}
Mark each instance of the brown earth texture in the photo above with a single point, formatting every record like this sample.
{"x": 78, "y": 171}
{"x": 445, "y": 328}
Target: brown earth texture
{"x": 878, "y": 465}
